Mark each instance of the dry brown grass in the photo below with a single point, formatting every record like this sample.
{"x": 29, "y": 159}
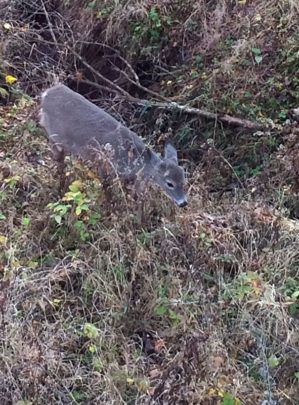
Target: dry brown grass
{"x": 190, "y": 306}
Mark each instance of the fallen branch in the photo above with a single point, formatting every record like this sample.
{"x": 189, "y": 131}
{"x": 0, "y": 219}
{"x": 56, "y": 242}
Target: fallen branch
{"x": 228, "y": 119}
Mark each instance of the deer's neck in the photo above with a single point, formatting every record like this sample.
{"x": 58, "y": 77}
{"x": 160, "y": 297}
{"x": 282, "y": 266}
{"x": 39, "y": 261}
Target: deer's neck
{"x": 151, "y": 166}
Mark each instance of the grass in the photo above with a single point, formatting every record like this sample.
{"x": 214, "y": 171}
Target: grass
{"x": 193, "y": 306}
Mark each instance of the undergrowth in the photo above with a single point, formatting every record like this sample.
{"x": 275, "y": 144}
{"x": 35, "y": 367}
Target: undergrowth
{"x": 192, "y": 306}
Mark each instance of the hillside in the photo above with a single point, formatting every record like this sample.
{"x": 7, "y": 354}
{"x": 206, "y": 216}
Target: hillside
{"x": 194, "y": 305}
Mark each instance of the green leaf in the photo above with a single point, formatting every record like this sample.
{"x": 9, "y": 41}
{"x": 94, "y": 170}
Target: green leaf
{"x": 2, "y": 216}
{"x": 90, "y": 330}
{"x": 229, "y": 400}
{"x": 74, "y": 189}
{"x": 93, "y": 218}
{"x": 273, "y": 361}
{"x": 258, "y": 59}
{"x": 295, "y": 295}
{"x": 174, "y": 317}
{"x": 3, "y": 92}
{"x": 257, "y": 51}
{"x": 57, "y": 219}
{"x": 293, "y": 308}
{"x": 153, "y": 14}
{"x": 161, "y": 309}
{"x": 208, "y": 277}
{"x": 297, "y": 374}
{"x": 91, "y": 4}
{"x": 26, "y": 221}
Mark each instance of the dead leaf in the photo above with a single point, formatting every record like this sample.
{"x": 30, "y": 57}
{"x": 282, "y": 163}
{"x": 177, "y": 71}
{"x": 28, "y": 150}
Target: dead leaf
{"x": 217, "y": 362}
{"x": 159, "y": 344}
{"x": 3, "y": 239}
{"x": 10, "y": 79}
{"x": 264, "y": 216}
{"x": 25, "y": 402}
{"x": 154, "y": 373}
{"x": 78, "y": 76}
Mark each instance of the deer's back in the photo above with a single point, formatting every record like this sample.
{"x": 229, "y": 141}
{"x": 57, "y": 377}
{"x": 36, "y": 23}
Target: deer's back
{"x": 76, "y": 124}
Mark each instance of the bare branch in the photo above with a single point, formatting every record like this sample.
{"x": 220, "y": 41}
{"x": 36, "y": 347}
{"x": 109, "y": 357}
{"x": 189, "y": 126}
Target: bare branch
{"x": 228, "y": 119}
{"x": 121, "y": 91}
{"x": 152, "y": 93}
{"x": 49, "y": 23}
{"x": 116, "y": 51}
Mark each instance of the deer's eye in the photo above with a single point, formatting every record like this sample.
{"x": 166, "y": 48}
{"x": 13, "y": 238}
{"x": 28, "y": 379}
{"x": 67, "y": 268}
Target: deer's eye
{"x": 169, "y": 184}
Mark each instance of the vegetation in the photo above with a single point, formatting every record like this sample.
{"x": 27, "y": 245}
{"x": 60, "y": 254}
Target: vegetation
{"x": 192, "y": 306}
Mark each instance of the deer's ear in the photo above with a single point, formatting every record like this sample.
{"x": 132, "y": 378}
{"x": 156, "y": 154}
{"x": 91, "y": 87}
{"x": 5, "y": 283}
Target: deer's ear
{"x": 170, "y": 152}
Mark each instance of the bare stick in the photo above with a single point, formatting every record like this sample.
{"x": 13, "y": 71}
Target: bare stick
{"x": 49, "y": 23}
{"x": 116, "y": 51}
{"x": 99, "y": 86}
{"x": 203, "y": 113}
{"x": 93, "y": 70}
{"x": 152, "y": 93}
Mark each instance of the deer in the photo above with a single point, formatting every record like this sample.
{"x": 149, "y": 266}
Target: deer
{"x": 75, "y": 125}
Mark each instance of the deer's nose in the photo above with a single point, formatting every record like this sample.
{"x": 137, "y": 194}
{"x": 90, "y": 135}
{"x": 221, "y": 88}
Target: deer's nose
{"x": 183, "y": 203}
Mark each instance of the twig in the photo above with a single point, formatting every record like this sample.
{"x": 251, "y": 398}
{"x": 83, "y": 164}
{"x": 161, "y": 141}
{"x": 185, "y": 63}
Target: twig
{"x": 152, "y": 93}
{"x": 185, "y": 108}
{"x": 267, "y": 371}
{"x": 49, "y": 23}
{"x": 122, "y": 91}
{"x": 116, "y": 51}
{"x": 230, "y": 166}
{"x": 99, "y": 86}
{"x": 136, "y": 82}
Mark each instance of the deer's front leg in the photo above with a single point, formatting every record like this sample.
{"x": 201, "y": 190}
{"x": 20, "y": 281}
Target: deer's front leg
{"x": 59, "y": 156}
{"x": 140, "y": 197}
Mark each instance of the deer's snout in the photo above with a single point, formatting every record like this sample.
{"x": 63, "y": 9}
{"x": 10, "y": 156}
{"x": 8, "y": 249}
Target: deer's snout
{"x": 183, "y": 204}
